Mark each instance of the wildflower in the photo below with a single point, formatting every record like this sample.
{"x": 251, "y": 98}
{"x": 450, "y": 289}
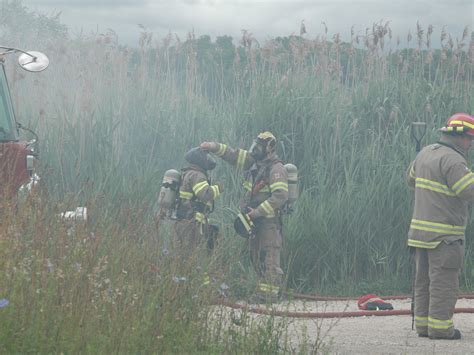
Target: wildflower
{"x": 70, "y": 231}
{"x": 49, "y": 265}
{"x": 178, "y": 280}
{"x": 154, "y": 268}
{"x": 4, "y": 302}
{"x": 222, "y": 289}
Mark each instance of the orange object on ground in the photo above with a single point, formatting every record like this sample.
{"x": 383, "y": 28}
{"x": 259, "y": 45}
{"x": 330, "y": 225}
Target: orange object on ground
{"x": 372, "y": 302}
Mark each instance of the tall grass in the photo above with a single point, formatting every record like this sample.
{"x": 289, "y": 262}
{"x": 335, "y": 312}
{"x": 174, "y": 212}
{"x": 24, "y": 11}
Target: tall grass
{"x": 116, "y": 288}
{"x": 113, "y": 119}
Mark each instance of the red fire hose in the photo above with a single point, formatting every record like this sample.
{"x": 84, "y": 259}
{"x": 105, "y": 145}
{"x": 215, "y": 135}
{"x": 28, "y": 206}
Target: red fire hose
{"x": 343, "y": 314}
{"x": 301, "y": 296}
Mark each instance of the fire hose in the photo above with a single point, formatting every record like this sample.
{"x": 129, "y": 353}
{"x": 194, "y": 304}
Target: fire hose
{"x": 343, "y": 314}
{"x": 301, "y": 296}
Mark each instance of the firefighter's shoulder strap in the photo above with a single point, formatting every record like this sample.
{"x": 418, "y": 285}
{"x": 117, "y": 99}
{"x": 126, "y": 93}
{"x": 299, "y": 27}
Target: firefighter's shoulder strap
{"x": 264, "y": 172}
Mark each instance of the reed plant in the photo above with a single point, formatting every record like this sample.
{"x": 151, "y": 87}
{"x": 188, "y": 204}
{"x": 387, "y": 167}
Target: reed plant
{"x": 113, "y": 118}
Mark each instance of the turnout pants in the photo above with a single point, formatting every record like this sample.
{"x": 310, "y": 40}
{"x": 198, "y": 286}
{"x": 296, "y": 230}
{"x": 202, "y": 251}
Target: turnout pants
{"x": 189, "y": 238}
{"x": 437, "y": 288}
{"x": 265, "y": 251}
{"x": 192, "y": 236}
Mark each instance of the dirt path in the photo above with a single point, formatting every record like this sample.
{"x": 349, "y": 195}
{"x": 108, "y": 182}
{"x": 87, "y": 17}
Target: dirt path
{"x": 374, "y": 335}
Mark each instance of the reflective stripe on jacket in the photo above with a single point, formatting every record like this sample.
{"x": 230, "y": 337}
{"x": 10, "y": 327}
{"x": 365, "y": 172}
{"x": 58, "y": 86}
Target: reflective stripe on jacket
{"x": 196, "y": 194}
{"x": 444, "y": 186}
{"x": 266, "y": 183}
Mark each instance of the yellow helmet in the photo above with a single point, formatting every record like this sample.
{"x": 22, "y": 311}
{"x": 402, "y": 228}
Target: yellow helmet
{"x": 266, "y": 135}
{"x": 263, "y": 146}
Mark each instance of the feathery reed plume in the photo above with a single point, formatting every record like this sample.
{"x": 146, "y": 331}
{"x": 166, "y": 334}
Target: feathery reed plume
{"x": 302, "y": 28}
{"x": 428, "y": 36}
{"x": 465, "y": 33}
{"x": 419, "y": 34}
{"x": 471, "y": 49}
{"x": 444, "y": 35}
{"x": 325, "y": 27}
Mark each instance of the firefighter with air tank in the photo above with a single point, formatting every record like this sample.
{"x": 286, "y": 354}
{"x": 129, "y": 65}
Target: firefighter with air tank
{"x": 191, "y": 195}
{"x": 266, "y": 186}
{"x": 271, "y": 189}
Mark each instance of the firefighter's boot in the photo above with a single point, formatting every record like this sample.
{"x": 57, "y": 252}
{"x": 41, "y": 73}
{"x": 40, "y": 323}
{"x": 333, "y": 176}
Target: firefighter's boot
{"x": 456, "y": 335}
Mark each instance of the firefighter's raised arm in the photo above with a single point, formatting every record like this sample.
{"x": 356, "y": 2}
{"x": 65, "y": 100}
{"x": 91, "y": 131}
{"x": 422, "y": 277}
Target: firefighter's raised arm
{"x": 237, "y": 157}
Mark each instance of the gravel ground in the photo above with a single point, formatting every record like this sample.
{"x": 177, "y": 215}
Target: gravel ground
{"x": 373, "y": 335}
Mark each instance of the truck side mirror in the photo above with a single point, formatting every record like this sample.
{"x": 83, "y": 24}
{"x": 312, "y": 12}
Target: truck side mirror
{"x": 33, "y": 61}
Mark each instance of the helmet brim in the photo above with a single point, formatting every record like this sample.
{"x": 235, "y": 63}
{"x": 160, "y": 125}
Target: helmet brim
{"x": 445, "y": 130}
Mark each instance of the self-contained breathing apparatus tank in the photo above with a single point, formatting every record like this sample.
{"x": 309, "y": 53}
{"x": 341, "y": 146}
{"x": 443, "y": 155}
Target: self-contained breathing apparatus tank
{"x": 292, "y": 171}
{"x": 169, "y": 192}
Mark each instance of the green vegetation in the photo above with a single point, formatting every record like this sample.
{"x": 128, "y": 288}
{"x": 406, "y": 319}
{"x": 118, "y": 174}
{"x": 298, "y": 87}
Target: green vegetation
{"x": 118, "y": 289}
{"x": 112, "y": 119}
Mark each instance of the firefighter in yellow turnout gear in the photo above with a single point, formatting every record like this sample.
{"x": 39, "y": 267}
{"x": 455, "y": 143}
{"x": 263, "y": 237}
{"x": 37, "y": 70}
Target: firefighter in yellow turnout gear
{"x": 197, "y": 195}
{"x": 444, "y": 186}
{"x": 266, "y": 186}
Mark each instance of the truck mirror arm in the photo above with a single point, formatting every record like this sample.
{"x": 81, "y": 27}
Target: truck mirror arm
{"x": 33, "y": 141}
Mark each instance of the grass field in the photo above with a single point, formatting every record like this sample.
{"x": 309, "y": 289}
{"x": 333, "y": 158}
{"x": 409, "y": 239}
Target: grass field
{"x": 112, "y": 119}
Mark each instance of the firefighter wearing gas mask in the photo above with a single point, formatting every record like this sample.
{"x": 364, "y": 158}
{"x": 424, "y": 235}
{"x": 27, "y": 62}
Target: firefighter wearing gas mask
{"x": 266, "y": 186}
{"x": 196, "y": 202}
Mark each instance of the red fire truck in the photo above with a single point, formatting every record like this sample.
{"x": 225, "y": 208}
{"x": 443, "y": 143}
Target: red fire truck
{"x": 18, "y": 157}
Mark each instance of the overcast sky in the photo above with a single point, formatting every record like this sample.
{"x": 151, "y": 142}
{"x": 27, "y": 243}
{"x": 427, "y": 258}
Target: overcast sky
{"x": 264, "y": 18}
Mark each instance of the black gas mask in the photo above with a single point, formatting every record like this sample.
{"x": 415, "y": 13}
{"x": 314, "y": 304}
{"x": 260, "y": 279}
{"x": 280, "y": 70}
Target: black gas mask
{"x": 263, "y": 146}
{"x": 258, "y": 150}
{"x": 201, "y": 158}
